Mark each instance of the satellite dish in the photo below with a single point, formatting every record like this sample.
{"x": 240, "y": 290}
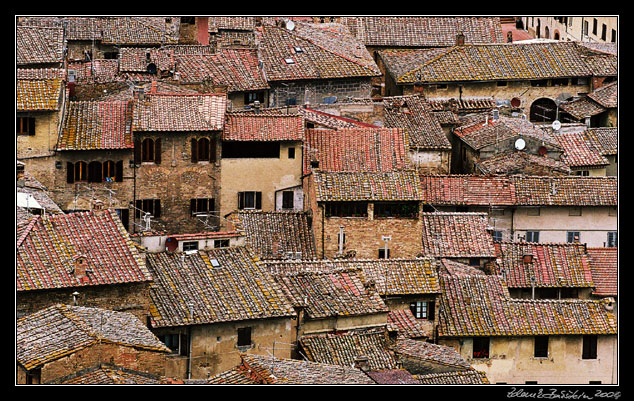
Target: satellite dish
{"x": 171, "y": 244}
{"x": 151, "y": 68}
{"x": 520, "y": 144}
{"x": 515, "y": 102}
{"x": 290, "y": 25}
{"x": 556, "y": 125}
{"x": 542, "y": 150}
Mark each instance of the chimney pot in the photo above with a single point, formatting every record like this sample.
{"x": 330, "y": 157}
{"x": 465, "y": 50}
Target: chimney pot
{"x": 460, "y": 39}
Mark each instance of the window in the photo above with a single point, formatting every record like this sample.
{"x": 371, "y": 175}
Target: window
{"x": 346, "y": 209}
{"x": 251, "y": 149}
{"x": 573, "y": 236}
{"x": 589, "y": 350}
{"x": 177, "y": 343}
{"x": 475, "y": 262}
{"x": 291, "y": 101}
{"x": 25, "y": 126}
{"x": 501, "y": 83}
{"x": 594, "y": 26}
{"x": 422, "y": 309}
{"x": 560, "y": 81}
{"x": 480, "y": 347}
{"x": 604, "y": 32}
{"x": 568, "y": 293}
{"x": 288, "y": 198}
{"x": 201, "y": 205}
{"x": 396, "y": 209}
{"x": 76, "y": 172}
{"x": 34, "y": 376}
{"x": 151, "y": 206}
{"x": 190, "y": 246}
{"x": 584, "y": 173}
{"x": 250, "y": 200}
{"x": 613, "y": 40}
{"x": 244, "y": 336}
{"x": 532, "y": 236}
{"x": 585, "y": 27}
{"x": 612, "y": 239}
{"x": 221, "y": 243}
{"x": 250, "y": 97}
{"x": 203, "y": 149}
{"x": 539, "y": 82}
{"x": 382, "y": 254}
{"x": 149, "y": 150}
{"x": 497, "y": 236}
{"x": 110, "y": 55}
{"x": 291, "y": 153}
{"x": 574, "y": 211}
{"x": 541, "y": 347}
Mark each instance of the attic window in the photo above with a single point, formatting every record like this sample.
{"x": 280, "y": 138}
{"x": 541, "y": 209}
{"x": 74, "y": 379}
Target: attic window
{"x": 298, "y": 49}
{"x": 289, "y": 60}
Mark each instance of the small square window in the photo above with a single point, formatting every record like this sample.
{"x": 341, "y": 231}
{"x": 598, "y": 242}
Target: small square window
{"x": 291, "y": 153}
{"x": 383, "y": 255}
{"x": 497, "y": 236}
{"x": 244, "y": 336}
{"x": 190, "y": 246}
{"x": 612, "y": 239}
{"x": 532, "y": 236}
{"x": 573, "y": 236}
{"x": 541, "y": 347}
{"x": 589, "y": 350}
{"x": 221, "y": 243}
{"x": 480, "y": 347}
{"x": 288, "y": 200}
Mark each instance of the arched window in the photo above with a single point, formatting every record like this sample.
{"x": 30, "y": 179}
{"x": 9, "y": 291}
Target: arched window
{"x": 94, "y": 172}
{"x": 546, "y": 32}
{"x": 109, "y": 171}
{"x": 543, "y": 110}
{"x": 203, "y": 149}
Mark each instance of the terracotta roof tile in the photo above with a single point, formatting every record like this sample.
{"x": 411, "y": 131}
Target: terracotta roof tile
{"x": 343, "y": 348}
{"x": 45, "y": 251}
{"x": 551, "y": 265}
{"x": 331, "y": 293}
{"x": 223, "y": 285}
{"x": 511, "y": 61}
{"x": 607, "y": 95}
{"x": 604, "y": 140}
{"x": 38, "y": 94}
{"x": 366, "y": 186}
{"x": 109, "y": 374}
{"x": 458, "y": 377}
{"x": 423, "y": 31}
{"x": 328, "y": 51}
{"x": 517, "y": 162}
{"x": 96, "y": 125}
{"x": 413, "y": 114}
{"x": 270, "y": 370}
{"x": 60, "y": 330}
{"x": 136, "y": 31}
{"x": 39, "y": 45}
{"x": 263, "y": 127}
{"x": 393, "y": 376}
{"x": 456, "y": 235}
{"x": 481, "y": 306}
{"x": 405, "y": 324}
{"x": 467, "y": 190}
{"x": 272, "y": 234}
{"x": 433, "y": 353}
{"x": 565, "y": 191}
{"x": 579, "y": 152}
{"x": 328, "y": 120}
{"x": 180, "y": 112}
{"x": 605, "y": 274}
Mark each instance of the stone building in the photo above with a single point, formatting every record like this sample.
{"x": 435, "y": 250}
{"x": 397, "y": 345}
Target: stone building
{"x": 261, "y": 163}
{"x": 520, "y": 341}
{"x": 307, "y": 63}
{"x": 506, "y": 72}
{"x": 177, "y": 160}
{"x": 503, "y": 145}
{"x": 85, "y": 257}
{"x": 532, "y": 208}
{"x": 63, "y": 340}
{"x": 598, "y": 108}
{"x": 211, "y": 305}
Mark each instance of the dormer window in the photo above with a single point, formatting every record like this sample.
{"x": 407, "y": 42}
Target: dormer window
{"x": 289, "y": 60}
{"x": 298, "y": 49}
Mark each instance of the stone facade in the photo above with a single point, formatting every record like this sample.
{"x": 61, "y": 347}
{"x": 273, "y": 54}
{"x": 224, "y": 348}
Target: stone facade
{"x": 314, "y": 92}
{"x": 47, "y": 124}
{"x": 132, "y": 298}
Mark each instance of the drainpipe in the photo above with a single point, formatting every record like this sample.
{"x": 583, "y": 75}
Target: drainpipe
{"x": 323, "y": 214}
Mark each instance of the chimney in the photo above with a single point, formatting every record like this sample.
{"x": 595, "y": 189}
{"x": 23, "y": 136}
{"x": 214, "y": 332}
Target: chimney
{"x": 362, "y": 362}
{"x": 80, "y": 267}
{"x": 509, "y": 37}
{"x": 202, "y": 30}
{"x": 460, "y": 39}
{"x": 527, "y": 258}
{"x": 98, "y": 205}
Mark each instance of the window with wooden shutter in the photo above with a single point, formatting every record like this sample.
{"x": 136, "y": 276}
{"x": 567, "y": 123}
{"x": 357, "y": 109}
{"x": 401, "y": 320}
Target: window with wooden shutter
{"x": 118, "y": 177}
{"x": 203, "y": 149}
{"x": 94, "y": 172}
{"x": 25, "y": 126}
{"x": 147, "y": 151}
{"x": 70, "y": 172}
{"x": 81, "y": 171}
{"x": 157, "y": 151}
{"x": 589, "y": 347}
{"x": 194, "y": 150}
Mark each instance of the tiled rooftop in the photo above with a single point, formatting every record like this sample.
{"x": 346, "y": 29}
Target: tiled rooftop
{"x": 343, "y": 348}
{"x": 456, "y": 235}
{"x": 38, "y": 45}
{"x": 367, "y": 186}
{"x": 222, "y": 285}
{"x": 328, "y": 120}
{"x": 337, "y": 293}
{"x": 467, "y": 190}
{"x": 406, "y": 325}
{"x": 433, "y": 353}
{"x": 481, "y": 306}
{"x": 414, "y": 115}
{"x": 552, "y": 264}
{"x": 604, "y": 140}
{"x": 96, "y": 125}
{"x": 423, "y": 31}
{"x": 512, "y": 61}
{"x": 109, "y": 374}
{"x": 517, "y": 162}
{"x": 38, "y": 94}
{"x": 263, "y": 127}
{"x": 236, "y": 68}
{"x": 466, "y": 377}
{"x": 580, "y": 152}
{"x": 356, "y": 149}
{"x": 60, "y": 330}
{"x": 180, "y": 112}
{"x": 272, "y": 234}
{"x": 124, "y": 31}
{"x": 327, "y": 51}
{"x": 605, "y": 274}
{"x": 47, "y": 245}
